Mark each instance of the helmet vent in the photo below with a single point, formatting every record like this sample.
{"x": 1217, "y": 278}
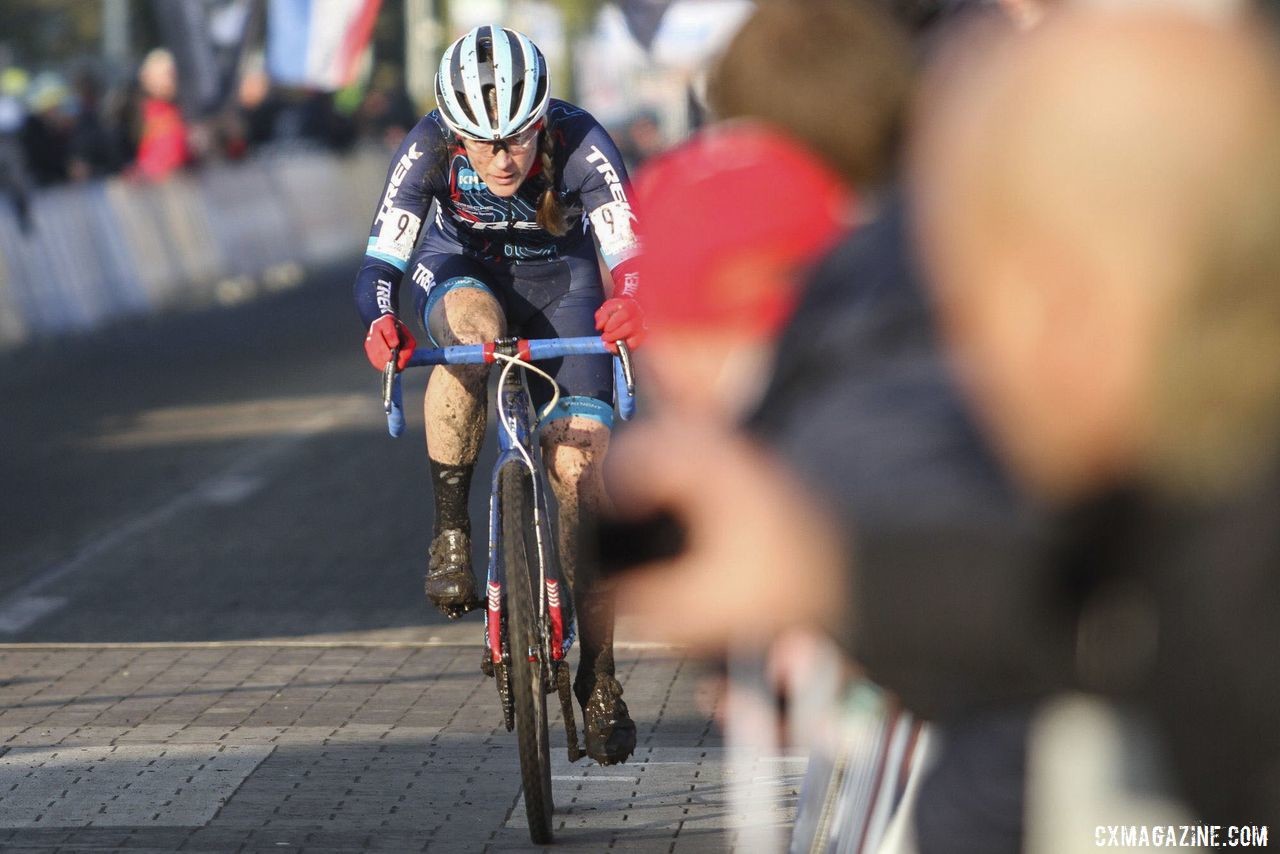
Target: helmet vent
{"x": 492, "y": 83}
{"x": 465, "y": 105}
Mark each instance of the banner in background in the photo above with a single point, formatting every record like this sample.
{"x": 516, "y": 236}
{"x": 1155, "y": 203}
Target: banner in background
{"x": 206, "y": 38}
{"x": 318, "y": 43}
{"x": 619, "y": 76}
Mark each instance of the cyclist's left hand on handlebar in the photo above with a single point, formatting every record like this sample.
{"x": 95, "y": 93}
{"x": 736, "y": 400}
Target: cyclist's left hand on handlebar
{"x": 621, "y": 319}
{"x": 385, "y": 334}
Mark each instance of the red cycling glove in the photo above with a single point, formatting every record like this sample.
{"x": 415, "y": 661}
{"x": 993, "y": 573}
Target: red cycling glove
{"x": 621, "y": 319}
{"x": 385, "y": 334}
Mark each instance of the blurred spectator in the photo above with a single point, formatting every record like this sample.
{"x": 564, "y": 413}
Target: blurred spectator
{"x": 163, "y": 146}
{"x": 93, "y": 151}
{"x": 46, "y": 134}
{"x": 640, "y": 139}
{"x": 862, "y": 405}
{"x": 387, "y": 112}
{"x": 1108, "y": 281}
{"x": 309, "y": 115}
{"x": 258, "y": 107}
{"x": 14, "y": 178}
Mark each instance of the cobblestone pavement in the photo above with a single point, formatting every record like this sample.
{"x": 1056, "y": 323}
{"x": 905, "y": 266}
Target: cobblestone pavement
{"x": 274, "y": 747}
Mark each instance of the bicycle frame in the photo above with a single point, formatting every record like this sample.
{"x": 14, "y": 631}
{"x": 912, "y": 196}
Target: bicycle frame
{"x": 522, "y": 450}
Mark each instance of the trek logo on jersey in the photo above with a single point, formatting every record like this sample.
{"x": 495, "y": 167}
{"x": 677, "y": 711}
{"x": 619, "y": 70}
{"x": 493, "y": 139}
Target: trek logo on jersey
{"x": 397, "y": 177}
{"x": 519, "y": 225}
{"x": 422, "y": 277}
{"x": 605, "y": 168}
{"x": 630, "y": 284}
{"x": 612, "y": 221}
{"x": 384, "y": 297}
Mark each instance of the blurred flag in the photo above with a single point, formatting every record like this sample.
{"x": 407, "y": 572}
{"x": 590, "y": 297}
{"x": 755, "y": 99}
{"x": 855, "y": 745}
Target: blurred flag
{"x": 206, "y": 38}
{"x": 318, "y": 43}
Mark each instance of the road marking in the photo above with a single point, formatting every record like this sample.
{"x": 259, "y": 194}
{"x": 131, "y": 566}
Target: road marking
{"x": 243, "y": 419}
{"x": 20, "y": 612}
{"x": 603, "y": 779}
{"x": 231, "y": 489}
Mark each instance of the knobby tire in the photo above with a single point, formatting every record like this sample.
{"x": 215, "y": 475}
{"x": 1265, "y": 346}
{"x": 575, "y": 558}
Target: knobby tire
{"x": 528, "y": 678}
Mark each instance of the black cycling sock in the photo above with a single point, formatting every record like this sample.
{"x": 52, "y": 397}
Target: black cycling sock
{"x": 451, "y": 485}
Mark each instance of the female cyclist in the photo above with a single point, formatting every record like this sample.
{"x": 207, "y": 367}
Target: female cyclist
{"x": 519, "y": 179}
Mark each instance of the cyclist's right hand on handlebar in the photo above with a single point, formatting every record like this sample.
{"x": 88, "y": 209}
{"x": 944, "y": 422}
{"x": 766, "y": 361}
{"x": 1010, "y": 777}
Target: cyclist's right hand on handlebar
{"x": 386, "y": 334}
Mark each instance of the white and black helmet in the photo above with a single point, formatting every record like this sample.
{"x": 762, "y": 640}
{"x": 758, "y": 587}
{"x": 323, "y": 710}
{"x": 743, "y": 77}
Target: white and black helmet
{"x": 497, "y": 59}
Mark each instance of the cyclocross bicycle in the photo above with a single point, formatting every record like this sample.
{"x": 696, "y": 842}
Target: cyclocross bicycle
{"x": 528, "y": 628}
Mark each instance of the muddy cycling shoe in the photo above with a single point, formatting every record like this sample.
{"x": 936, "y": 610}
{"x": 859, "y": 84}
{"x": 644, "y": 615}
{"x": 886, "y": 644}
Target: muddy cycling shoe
{"x": 610, "y": 732}
{"x": 450, "y": 585}
{"x": 486, "y": 662}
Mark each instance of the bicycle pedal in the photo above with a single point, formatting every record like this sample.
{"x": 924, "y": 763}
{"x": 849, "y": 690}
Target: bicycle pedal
{"x": 453, "y": 612}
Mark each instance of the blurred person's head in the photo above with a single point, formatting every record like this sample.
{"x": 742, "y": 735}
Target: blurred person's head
{"x": 731, "y": 220}
{"x": 832, "y": 73}
{"x": 158, "y": 75}
{"x": 14, "y": 82}
{"x": 644, "y": 133}
{"x": 254, "y": 88}
{"x": 49, "y": 94}
{"x": 1098, "y": 202}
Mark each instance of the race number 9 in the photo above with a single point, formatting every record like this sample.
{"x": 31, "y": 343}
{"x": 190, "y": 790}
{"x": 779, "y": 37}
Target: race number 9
{"x": 398, "y": 234}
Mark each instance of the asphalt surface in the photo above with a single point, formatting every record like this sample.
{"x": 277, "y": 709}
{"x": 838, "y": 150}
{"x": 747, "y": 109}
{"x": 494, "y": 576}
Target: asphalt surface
{"x": 212, "y": 476}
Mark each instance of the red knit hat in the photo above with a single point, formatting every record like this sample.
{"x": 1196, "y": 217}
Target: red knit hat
{"x": 730, "y": 220}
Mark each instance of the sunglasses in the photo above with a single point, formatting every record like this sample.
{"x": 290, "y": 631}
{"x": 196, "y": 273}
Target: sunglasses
{"x": 518, "y": 144}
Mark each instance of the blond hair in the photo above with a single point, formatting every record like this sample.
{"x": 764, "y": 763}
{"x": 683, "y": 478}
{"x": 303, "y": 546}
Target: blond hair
{"x": 551, "y": 216}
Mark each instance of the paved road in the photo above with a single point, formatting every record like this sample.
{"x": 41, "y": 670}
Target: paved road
{"x": 274, "y": 748}
{"x": 213, "y": 636}
{"x": 215, "y": 476}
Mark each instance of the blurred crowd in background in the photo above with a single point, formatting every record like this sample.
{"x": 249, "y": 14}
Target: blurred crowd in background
{"x": 80, "y": 115}
{"x": 197, "y": 81}
{"x": 59, "y": 129}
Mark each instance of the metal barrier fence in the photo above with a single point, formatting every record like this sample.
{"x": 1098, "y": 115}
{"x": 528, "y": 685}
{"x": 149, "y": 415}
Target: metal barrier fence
{"x": 110, "y": 249}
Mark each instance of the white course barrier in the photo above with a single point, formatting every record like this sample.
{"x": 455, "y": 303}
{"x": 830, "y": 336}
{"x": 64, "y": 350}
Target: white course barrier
{"x": 100, "y": 251}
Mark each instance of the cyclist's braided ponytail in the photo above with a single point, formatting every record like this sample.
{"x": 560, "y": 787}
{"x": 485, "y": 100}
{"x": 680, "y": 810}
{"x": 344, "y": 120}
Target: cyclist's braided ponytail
{"x": 550, "y": 215}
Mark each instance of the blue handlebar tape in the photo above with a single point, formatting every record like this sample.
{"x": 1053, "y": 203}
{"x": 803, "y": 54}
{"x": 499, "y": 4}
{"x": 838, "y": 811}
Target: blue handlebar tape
{"x": 554, "y": 348}
{"x": 395, "y": 418}
{"x": 462, "y": 354}
{"x": 473, "y": 354}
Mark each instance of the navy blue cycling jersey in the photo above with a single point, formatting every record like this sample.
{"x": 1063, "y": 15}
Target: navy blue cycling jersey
{"x": 432, "y": 165}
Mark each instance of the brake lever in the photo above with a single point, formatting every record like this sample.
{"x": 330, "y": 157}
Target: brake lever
{"x": 624, "y": 354}
{"x": 389, "y": 380}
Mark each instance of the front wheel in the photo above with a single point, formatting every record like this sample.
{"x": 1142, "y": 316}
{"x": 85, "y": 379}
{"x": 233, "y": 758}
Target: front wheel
{"x": 529, "y": 664}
